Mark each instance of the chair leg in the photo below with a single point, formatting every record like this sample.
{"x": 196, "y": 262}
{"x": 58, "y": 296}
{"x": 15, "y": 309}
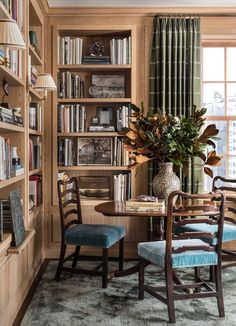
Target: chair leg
{"x": 141, "y": 278}
{"x": 76, "y": 257}
{"x": 105, "y": 268}
{"x": 121, "y": 254}
{"x": 169, "y": 294}
{"x": 61, "y": 261}
{"x": 219, "y": 289}
{"x": 212, "y": 274}
{"x": 197, "y": 275}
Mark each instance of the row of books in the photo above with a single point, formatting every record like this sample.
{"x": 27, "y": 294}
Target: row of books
{"x": 92, "y": 151}
{"x": 35, "y": 153}
{"x": 15, "y": 9}
{"x": 71, "y": 118}
{"x": 122, "y": 186}
{"x": 120, "y": 155}
{"x": 120, "y": 50}
{"x": 5, "y": 218}
{"x": 9, "y": 116}
{"x": 12, "y": 59}
{"x": 70, "y": 85}
{"x": 35, "y": 190}
{"x": 32, "y": 72}
{"x": 8, "y": 168}
{"x": 70, "y": 50}
{"x": 35, "y": 116}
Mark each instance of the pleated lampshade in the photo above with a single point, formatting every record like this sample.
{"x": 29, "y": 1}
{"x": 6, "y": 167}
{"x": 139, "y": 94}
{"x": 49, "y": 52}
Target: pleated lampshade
{"x": 10, "y": 35}
{"x": 45, "y": 82}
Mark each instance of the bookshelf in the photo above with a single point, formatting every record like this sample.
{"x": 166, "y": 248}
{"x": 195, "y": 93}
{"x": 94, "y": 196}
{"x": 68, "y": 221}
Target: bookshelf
{"x": 17, "y": 262}
{"x": 119, "y": 69}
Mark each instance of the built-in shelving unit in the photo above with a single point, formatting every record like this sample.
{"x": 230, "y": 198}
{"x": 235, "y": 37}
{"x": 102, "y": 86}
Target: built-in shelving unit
{"x": 23, "y": 261}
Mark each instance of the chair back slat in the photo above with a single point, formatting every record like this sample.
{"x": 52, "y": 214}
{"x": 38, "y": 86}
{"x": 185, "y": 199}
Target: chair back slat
{"x": 210, "y": 206}
{"x": 69, "y": 202}
{"x": 228, "y": 186}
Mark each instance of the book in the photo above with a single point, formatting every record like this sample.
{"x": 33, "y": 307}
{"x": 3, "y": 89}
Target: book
{"x": 134, "y": 204}
{"x": 17, "y": 217}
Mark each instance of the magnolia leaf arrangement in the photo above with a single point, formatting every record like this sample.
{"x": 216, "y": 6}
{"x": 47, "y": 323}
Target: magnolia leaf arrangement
{"x": 166, "y": 138}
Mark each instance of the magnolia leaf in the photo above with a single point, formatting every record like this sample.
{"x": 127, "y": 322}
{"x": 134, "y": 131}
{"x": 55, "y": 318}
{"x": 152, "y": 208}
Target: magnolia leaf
{"x": 210, "y": 131}
{"x": 141, "y": 159}
{"x": 129, "y": 148}
{"x": 208, "y": 171}
{"x": 211, "y": 143}
{"x": 132, "y": 135}
{"x": 135, "y": 108}
{"x": 202, "y": 156}
{"x": 213, "y": 160}
{"x": 211, "y": 154}
{"x": 143, "y": 150}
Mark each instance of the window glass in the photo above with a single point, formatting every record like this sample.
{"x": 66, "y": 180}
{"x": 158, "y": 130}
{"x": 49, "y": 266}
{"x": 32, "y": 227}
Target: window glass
{"x": 213, "y": 64}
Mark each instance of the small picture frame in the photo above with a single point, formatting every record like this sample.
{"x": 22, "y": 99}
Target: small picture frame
{"x": 94, "y": 151}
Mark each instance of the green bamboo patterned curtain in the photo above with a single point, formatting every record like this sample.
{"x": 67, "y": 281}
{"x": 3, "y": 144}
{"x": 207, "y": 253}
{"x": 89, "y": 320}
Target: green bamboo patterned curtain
{"x": 175, "y": 73}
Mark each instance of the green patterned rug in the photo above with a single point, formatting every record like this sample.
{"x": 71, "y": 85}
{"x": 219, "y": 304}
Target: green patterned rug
{"x": 79, "y": 300}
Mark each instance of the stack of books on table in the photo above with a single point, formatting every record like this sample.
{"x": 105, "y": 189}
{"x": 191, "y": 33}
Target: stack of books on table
{"x": 145, "y": 206}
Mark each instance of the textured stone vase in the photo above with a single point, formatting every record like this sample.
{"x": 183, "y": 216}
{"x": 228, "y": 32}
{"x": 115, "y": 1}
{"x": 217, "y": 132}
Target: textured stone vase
{"x": 165, "y": 181}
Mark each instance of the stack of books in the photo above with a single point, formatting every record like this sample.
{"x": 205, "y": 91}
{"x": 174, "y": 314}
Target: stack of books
{"x": 145, "y": 206}
{"x": 96, "y": 59}
{"x": 8, "y": 116}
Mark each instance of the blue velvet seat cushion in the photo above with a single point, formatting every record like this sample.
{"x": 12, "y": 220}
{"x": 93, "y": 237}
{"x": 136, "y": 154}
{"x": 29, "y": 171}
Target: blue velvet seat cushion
{"x": 229, "y": 231}
{"x": 94, "y": 235}
{"x": 155, "y": 253}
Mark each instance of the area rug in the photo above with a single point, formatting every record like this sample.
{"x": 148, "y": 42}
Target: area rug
{"x": 79, "y": 300}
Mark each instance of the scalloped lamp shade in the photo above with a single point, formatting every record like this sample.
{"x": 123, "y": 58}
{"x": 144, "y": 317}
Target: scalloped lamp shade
{"x": 10, "y": 36}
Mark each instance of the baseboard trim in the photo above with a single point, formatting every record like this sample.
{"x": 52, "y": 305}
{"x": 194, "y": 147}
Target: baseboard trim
{"x": 30, "y": 294}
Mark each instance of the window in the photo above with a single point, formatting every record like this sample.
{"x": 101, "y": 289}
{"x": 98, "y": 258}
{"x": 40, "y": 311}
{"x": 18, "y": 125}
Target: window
{"x": 219, "y": 97}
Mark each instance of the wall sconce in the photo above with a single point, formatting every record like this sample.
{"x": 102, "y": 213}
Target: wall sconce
{"x": 45, "y": 83}
{"x": 10, "y": 36}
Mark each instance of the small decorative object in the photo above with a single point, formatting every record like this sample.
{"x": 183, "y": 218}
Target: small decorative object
{"x": 5, "y": 93}
{"x": 33, "y": 39}
{"x": 96, "y": 48}
{"x": 15, "y": 157}
{"x": 147, "y": 198}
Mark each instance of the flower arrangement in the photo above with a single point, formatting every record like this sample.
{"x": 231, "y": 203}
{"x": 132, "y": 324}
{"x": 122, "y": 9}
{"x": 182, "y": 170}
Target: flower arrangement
{"x": 166, "y": 138}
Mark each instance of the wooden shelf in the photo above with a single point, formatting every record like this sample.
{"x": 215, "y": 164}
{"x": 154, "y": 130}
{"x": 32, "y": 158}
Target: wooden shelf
{"x": 7, "y": 127}
{"x": 12, "y": 79}
{"x": 34, "y": 56}
{"x": 35, "y": 95}
{"x": 18, "y": 249}
{"x": 6, "y": 243}
{"x": 94, "y": 100}
{"x": 93, "y": 167}
{"x": 3, "y": 12}
{"x": 8, "y": 182}
{"x": 36, "y": 171}
{"x": 94, "y": 67}
{"x": 35, "y": 132}
{"x": 89, "y": 134}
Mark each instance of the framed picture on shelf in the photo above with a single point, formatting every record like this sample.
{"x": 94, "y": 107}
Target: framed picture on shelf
{"x": 94, "y": 151}
{"x": 94, "y": 187}
{"x": 107, "y": 86}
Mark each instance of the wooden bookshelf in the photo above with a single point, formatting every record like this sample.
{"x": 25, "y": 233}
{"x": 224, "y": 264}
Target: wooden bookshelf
{"x": 93, "y": 167}
{"x": 95, "y": 67}
{"x": 9, "y": 128}
{"x": 23, "y": 261}
{"x": 12, "y": 79}
{"x": 18, "y": 249}
{"x": 6, "y": 243}
{"x": 35, "y": 171}
{"x": 89, "y": 134}
{"x": 94, "y": 100}
{"x": 11, "y": 181}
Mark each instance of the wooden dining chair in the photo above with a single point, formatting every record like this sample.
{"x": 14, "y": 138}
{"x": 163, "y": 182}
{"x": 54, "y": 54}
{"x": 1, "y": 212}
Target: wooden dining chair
{"x": 186, "y": 250}
{"x": 74, "y": 232}
{"x": 228, "y": 186}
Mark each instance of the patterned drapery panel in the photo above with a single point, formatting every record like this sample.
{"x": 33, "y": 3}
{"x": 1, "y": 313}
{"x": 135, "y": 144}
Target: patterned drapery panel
{"x": 175, "y": 69}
